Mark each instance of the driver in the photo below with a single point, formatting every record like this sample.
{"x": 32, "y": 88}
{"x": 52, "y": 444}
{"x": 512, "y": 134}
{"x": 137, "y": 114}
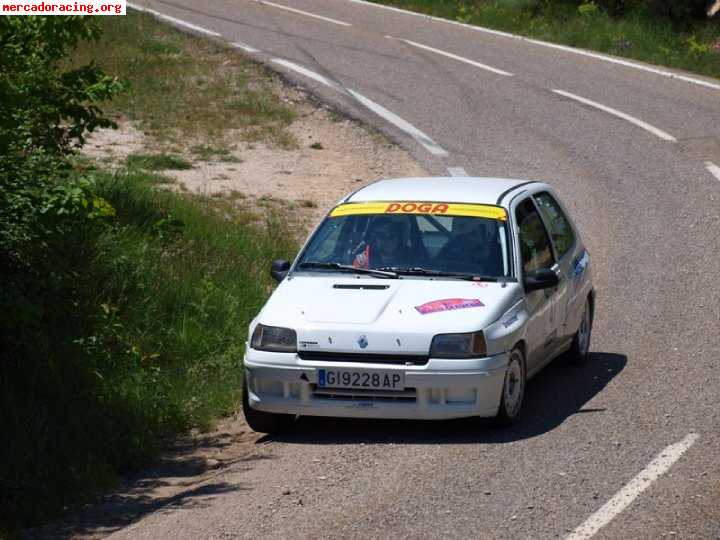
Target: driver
{"x": 383, "y": 245}
{"x": 471, "y": 247}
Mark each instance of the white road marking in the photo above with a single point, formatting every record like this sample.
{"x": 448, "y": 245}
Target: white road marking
{"x": 174, "y": 21}
{"x": 714, "y": 169}
{"x": 424, "y": 140}
{"x": 456, "y": 171}
{"x": 453, "y": 56}
{"x": 313, "y": 15}
{"x": 430, "y": 145}
{"x": 623, "y": 498}
{"x": 245, "y": 47}
{"x": 652, "y": 129}
{"x": 304, "y": 71}
{"x": 582, "y": 52}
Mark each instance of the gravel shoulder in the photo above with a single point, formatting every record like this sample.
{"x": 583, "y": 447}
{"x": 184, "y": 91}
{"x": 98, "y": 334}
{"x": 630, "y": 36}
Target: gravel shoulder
{"x": 334, "y": 155}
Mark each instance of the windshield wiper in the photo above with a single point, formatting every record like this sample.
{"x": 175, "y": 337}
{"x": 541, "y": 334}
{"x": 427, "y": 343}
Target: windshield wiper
{"x": 418, "y": 271}
{"x": 388, "y": 274}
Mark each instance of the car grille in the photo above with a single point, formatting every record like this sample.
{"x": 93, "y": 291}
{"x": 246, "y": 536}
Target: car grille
{"x": 408, "y": 394}
{"x": 396, "y": 359}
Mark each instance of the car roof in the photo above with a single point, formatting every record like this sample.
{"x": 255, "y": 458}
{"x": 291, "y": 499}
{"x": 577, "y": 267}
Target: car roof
{"x": 477, "y": 190}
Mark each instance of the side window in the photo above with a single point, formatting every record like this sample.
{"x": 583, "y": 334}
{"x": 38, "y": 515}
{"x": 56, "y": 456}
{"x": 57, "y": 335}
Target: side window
{"x": 558, "y": 225}
{"x": 535, "y": 249}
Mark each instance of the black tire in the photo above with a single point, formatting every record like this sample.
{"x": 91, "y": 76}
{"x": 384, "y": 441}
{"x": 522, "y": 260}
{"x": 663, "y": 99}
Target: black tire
{"x": 264, "y": 422}
{"x": 580, "y": 347}
{"x": 513, "y": 392}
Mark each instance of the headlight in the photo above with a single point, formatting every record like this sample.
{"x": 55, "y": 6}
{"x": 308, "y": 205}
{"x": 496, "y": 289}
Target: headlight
{"x": 470, "y": 345}
{"x": 274, "y": 339}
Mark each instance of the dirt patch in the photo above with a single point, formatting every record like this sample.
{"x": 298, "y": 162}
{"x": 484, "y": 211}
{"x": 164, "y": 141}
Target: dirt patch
{"x": 112, "y": 146}
{"x": 333, "y": 156}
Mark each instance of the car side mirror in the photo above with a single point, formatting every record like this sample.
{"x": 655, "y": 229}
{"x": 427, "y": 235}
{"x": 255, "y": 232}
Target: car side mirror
{"x": 279, "y": 269}
{"x": 543, "y": 278}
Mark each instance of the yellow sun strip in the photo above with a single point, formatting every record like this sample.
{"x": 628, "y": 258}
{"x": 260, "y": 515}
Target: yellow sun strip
{"x": 431, "y": 208}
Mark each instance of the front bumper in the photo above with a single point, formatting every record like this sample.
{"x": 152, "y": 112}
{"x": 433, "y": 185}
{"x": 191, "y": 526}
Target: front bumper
{"x": 441, "y": 389}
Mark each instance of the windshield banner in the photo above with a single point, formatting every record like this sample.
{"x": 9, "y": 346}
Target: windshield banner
{"x": 432, "y": 208}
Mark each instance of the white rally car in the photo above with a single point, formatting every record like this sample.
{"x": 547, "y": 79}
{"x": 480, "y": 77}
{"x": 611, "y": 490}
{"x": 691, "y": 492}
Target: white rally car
{"x": 421, "y": 298}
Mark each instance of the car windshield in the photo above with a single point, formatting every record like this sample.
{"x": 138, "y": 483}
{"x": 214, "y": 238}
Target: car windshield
{"x": 412, "y": 238}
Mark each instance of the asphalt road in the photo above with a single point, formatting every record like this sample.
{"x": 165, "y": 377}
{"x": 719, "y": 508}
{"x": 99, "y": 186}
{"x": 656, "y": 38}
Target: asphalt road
{"x": 648, "y": 209}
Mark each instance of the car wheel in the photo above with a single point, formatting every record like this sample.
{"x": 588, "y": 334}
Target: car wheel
{"x": 513, "y": 392}
{"x": 580, "y": 347}
{"x": 264, "y": 422}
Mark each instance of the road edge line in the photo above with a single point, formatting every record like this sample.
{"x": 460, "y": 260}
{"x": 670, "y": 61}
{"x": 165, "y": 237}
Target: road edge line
{"x": 421, "y": 138}
{"x": 244, "y": 47}
{"x": 458, "y": 172}
{"x": 174, "y": 21}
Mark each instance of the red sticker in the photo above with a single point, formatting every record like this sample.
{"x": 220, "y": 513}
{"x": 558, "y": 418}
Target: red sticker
{"x": 449, "y": 304}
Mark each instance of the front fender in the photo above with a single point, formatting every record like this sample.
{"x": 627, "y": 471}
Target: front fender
{"x": 508, "y": 330}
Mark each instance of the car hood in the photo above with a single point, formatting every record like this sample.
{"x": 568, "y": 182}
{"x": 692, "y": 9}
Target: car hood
{"x": 350, "y": 314}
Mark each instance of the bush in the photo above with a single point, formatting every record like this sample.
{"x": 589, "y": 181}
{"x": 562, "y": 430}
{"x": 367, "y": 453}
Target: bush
{"x": 678, "y": 10}
{"x": 44, "y": 114}
{"x": 47, "y": 223}
{"x": 150, "y": 342}
{"x": 618, "y": 8}
{"x": 123, "y": 307}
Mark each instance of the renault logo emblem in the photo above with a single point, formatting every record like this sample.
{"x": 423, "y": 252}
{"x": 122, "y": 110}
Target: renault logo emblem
{"x": 362, "y": 342}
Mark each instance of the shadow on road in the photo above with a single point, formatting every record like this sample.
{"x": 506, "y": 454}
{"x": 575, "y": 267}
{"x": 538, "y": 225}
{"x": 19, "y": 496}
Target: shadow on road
{"x": 556, "y": 393}
{"x": 184, "y": 478}
{"x": 188, "y": 479}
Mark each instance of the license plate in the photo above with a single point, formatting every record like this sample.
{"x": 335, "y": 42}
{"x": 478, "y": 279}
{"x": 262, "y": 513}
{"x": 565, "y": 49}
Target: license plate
{"x": 352, "y": 378}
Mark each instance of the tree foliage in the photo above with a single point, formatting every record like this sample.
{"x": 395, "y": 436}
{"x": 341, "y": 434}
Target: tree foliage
{"x": 45, "y": 112}
{"x": 47, "y": 215}
{"x": 676, "y": 10}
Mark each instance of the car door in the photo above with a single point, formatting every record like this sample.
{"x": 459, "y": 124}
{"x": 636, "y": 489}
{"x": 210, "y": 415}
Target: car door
{"x": 564, "y": 244}
{"x": 536, "y": 252}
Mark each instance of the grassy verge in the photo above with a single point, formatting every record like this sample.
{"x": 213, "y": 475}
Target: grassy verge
{"x": 185, "y": 90}
{"x": 693, "y": 46}
{"x": 165, "y": 289}
{"x": 142, "y": 325}
{"x": 158, "y": 162}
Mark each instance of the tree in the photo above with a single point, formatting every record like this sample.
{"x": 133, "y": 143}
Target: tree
{"x": 45, "y": 112}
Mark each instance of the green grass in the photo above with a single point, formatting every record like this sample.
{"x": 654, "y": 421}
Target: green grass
{"x": 152, "y": 345}
{"x": 208, "y": 151}
{"x": 158, "y": 162}
{"x": 694, "y": 46}
{"x": 183, "y": 89}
